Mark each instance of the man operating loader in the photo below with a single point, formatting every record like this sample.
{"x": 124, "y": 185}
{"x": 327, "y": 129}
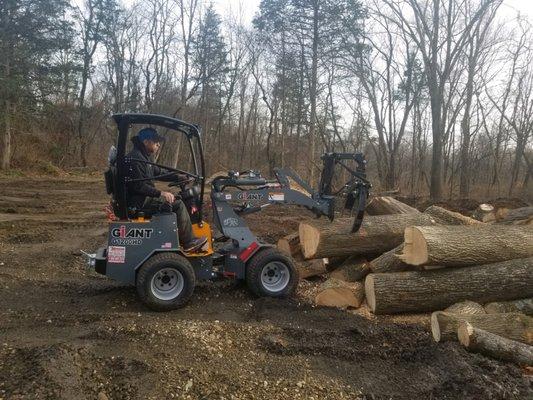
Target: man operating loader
{"x": 146, "y": 198}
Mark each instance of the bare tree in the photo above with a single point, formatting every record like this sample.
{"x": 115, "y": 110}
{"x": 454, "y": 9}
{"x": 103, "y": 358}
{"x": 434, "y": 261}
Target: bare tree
{"x": 441, "y": 31}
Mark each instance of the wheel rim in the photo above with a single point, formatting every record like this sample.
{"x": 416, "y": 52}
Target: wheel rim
{"x": 167, "y": 284}
{"x": 275, "y": 276}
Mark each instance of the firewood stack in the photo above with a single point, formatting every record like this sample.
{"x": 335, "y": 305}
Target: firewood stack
{"x": 415, "y": 262}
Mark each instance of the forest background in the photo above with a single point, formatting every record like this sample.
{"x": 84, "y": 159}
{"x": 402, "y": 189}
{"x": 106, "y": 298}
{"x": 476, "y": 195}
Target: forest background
{"x": 437, "y": 93}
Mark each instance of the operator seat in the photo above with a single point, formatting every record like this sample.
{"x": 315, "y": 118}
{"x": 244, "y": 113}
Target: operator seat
{"x": 111, "y": 178}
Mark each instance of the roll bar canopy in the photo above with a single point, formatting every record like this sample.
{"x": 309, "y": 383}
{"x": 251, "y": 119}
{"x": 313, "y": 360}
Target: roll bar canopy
{"x": 191, "y": 131}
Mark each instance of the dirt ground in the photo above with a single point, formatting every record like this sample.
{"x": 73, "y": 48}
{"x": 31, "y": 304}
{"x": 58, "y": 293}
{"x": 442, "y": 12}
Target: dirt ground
{"x": 68, "y": 333}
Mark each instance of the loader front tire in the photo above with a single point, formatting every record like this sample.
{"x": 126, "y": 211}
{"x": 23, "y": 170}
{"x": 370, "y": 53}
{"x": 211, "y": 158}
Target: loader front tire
{"x": 270, "y": 273}
{"x": 165, "y": 282}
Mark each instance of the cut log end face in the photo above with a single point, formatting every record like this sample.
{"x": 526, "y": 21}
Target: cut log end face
{"x": 415, "y": 248}
{"x": 369, "y": 292}
{"x": 435, "y": 327}
{"x": 486, "y": 207}
{"x": 337, "y": 297}
{"x": 340, "y": 294}
{"x": 310, "y": 245}
{"x": 464, "y": 333}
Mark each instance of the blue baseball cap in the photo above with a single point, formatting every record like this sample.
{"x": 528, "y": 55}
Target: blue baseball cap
{"x": 150, "y": 134}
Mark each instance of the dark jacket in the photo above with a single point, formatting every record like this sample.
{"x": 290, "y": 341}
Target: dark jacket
{"x": 139, "y": 191}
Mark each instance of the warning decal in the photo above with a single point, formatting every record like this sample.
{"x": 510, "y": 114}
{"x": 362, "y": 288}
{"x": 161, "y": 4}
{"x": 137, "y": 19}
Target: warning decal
{"x": 116, "y": 254}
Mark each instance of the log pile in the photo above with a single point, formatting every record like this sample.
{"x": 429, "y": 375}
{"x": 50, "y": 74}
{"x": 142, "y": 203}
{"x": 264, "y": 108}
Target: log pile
{"x": 474, "y": 274}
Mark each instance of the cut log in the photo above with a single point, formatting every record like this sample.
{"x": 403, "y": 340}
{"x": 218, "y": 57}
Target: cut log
{"x": 524, "y": 306}
{"x": 466, "y": 307}
{"x": 337, "y": 293}
{"x": 389, "y": 262}
{"x": 385, "y": 205}
{"x": 516, "y": 215}
{"x": 421, "y": 291}
{"x": 377, "y": 235}
{"x": 485, "y": 213}
{"x": 290, "y": 244}
{"x": 466, "y": 245}
{"x": 447, "y": 217}
{"x": 494, "y": 346}
{"x": 513, "y": 326}
{"x": 352, "y": 270}
{"x": 310, "y": 268}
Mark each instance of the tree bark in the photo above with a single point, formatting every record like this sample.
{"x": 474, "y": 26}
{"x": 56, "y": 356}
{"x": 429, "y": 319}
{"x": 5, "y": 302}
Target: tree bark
{"x": 377, "y": 235}
{"x": 389, "y": 262}
{"x": 524, "y": 306}
{"x": 384, "y": 205}
{"x": 421, "y": 291}
{"x": 513, "y": 326}
{"x": 489, "y": 344}
{"x": 352, "y": 270}
{"x": 516, "y": 215}
{"x": 447, "y": 217}
{"x": 466, "y": 245}
{"x": 5, "y": 159}
{"x": 337, "y": 293}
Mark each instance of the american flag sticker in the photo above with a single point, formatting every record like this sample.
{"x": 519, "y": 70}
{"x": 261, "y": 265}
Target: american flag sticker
{"x": 166, "y": 245}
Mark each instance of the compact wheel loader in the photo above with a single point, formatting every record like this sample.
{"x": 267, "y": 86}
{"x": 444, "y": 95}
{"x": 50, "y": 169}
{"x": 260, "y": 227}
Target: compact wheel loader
{"x": 145, "y": 252}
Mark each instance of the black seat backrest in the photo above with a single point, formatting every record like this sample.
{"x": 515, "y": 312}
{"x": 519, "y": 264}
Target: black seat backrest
{"x": 111, "y": 180}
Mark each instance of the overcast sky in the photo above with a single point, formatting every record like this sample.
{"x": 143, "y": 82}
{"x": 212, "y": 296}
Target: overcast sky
{"x": 248, "y": 8}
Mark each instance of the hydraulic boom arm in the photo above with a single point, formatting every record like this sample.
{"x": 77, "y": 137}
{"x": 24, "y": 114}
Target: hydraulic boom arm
{"x": 255, "y": 192}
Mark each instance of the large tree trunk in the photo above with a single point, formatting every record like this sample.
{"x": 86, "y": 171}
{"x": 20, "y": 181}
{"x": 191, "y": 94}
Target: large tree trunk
{"x": 466, "y": 245}
{"x": 377, "y": 235}
{"x": 389, "y": 262}
{"x": 447, "y": 217}
{"x": 5, "y": 156}
{"x": 489, "y": 344}
{"x": 524, "y": 306}
{"x": 435, "y": 290}
{"x": 514, "y": 326}
{"x": 337, "y": 293}
{"x": 384, "y": 205}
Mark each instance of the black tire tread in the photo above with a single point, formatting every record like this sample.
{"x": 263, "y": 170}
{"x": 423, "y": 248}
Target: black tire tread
{"x": 255, "y": 265}
{"x": 144, "y": 276}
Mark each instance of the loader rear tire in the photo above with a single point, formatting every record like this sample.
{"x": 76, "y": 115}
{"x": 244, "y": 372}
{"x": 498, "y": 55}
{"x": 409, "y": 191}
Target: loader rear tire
{"x": 165, "y": 282}
{"x": 270, "y": 273}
